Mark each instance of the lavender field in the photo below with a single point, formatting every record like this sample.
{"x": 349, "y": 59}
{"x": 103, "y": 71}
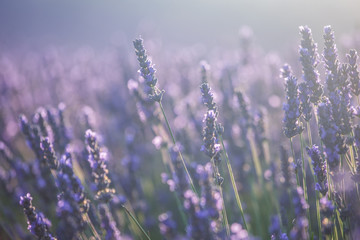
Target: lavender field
{"x": 142, "y": 140}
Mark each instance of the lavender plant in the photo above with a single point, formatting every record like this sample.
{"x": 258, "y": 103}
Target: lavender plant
{"x": 89, "y": 191}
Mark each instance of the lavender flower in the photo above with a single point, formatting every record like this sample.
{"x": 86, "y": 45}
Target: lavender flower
{"x": 353, "y": 72}
{"x": 319, "y": 166}
{"x": 292, "y": 126}
{"x": 206, "y": 93}
{"x": 330, "y": 136}
{"x": 330, "y": 54}
{"x": 39, "y": 119}
{"x": 68, "y": 209}
{"x": 309, "y": 62}
{"x": 108, "y": 224}
{"x": 32, "y": 136}
{"x": 305, "y": 104}
{"x": 147, "y": 71}
{"x": 77, "y": 189}
{"x": 211, "y": 147}
{"x": 97, "y": 160}
{"x": 38, "y": 224}
{"x": 49, "y": 156}
{"x": 299, "y": 230}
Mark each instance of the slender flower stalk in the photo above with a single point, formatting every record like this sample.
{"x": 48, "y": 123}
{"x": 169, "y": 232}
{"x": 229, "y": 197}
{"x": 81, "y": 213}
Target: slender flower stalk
{"x": 212, "y": 133}
{"x": 147, "y": 71}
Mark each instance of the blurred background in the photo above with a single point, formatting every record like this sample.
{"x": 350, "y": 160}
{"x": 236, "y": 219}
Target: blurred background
{"x": 210, "y": 22}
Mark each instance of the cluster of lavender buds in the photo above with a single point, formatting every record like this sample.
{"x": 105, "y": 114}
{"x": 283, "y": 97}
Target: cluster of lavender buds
{"x": 334, "y": 143}
{"x": 147, "y": 71}
{"x": 354, "y": 72}
{"x": 77, "y": 188}
{"x": 97, "y": 160}
{"x": 305, "y": 104}
{"x": 49, "y": 156}
{"x": 319, "y": 166}
{"x": 37, "y": 223}
{"x": 309, "y": 62}
{"x": 206, "y": 94}
{"x": 337, "y": 83}
{"x": 330, "y": 54}
{"x": 211, "y": 147}
{"x": 68, "y": 210}
{"x": 292, "y": 126}
{"x": 32, "y": 136}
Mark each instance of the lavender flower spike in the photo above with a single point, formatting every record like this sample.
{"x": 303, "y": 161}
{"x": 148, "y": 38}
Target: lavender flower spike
{"x": 211, "y": 147}
{"x": 319, "y": 166}
{"x": 292, "y": 126}
{"x": 49, "y": 156}
{"x": 100, "y": 172}
{"x": 330, "y": 52}
{"x": 305, "y": 104}
{"x": 147, "y": 70}
{"x": 309, "y": 62}
{"x": 354, "y": 72}
{"x": 38, "y": 224}
{"x": 330, "y": 135}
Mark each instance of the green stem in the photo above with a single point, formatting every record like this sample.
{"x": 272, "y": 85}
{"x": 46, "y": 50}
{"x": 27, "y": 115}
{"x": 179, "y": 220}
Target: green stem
{"x": 174, "y": 142}
{"x": 136, "y": 222}
{"x": 224, "y": 215}
{"x": 237, "y": 197}
{"x": 92, "y": 227}
{"x": 304, "y": 179}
